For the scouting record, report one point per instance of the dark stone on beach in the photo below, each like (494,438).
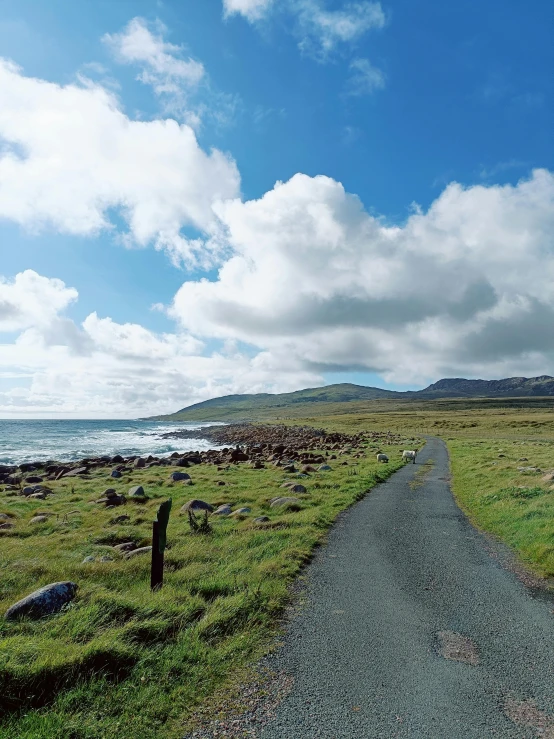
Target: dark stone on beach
(43,602)
(118,459)
(76,472)
(176,476)
(180,463)
(139,462)
(239,456)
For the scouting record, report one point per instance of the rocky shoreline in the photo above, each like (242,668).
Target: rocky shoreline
(256,444)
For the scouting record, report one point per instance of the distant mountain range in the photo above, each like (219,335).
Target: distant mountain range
(260,405)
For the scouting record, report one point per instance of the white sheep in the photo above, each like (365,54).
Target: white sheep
(409,455)
(382,458)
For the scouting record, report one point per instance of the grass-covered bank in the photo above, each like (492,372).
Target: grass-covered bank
(121,661)
(506,488)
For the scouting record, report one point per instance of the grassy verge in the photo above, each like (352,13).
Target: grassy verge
(121,661)
(517,505)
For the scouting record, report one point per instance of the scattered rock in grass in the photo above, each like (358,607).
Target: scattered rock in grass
(289,468)
(33,478)
(39,519)
(137,552)
(529,469)
(106,558)
(223,510)
(115,474)
(324,468)
(139,463)
(221,482)
(43,602)
(4,517)
(88,559)
(38,496)
(258,465)
(240,511)
(307,469)
(112,500)
(549,477)
(127,546)
(137,493)
(284,502)
(294,487)
(177,476)
(76,472)
(196,505)
(261,519)
(6,525)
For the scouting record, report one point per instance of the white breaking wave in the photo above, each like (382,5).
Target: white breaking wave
(67,440)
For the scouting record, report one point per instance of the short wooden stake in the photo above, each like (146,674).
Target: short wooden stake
(157,570)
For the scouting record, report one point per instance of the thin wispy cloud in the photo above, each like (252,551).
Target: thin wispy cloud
(364,78)
(179,81)
(320,31)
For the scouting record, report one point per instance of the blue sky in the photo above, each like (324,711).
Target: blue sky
(427,121)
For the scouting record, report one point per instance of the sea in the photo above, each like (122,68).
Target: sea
(68,440)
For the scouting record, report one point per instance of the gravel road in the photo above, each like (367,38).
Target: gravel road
(410,628)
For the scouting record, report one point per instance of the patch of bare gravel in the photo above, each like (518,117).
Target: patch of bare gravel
(526,713)
(457,647)
(243,714)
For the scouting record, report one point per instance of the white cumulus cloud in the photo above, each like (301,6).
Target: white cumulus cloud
(467,286)
(71,154)
(101,368)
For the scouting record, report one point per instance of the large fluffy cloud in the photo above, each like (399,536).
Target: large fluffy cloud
(106,369)
(70,155)
(467,286)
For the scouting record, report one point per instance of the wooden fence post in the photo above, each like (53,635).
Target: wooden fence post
(159,529)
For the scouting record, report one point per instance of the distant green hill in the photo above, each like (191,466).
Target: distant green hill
(345,397)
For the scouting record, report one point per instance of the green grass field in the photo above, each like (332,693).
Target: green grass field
(121,661)
(124,662)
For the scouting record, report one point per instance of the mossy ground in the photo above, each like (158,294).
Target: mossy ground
(122,661)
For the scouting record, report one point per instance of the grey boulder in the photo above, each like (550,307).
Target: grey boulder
(137,492)
(284,502)
(196,505)
(177,476)
(43,602)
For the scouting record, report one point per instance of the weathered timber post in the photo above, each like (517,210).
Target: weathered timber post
(159,539)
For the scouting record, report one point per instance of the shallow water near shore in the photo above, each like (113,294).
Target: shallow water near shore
(67,440)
